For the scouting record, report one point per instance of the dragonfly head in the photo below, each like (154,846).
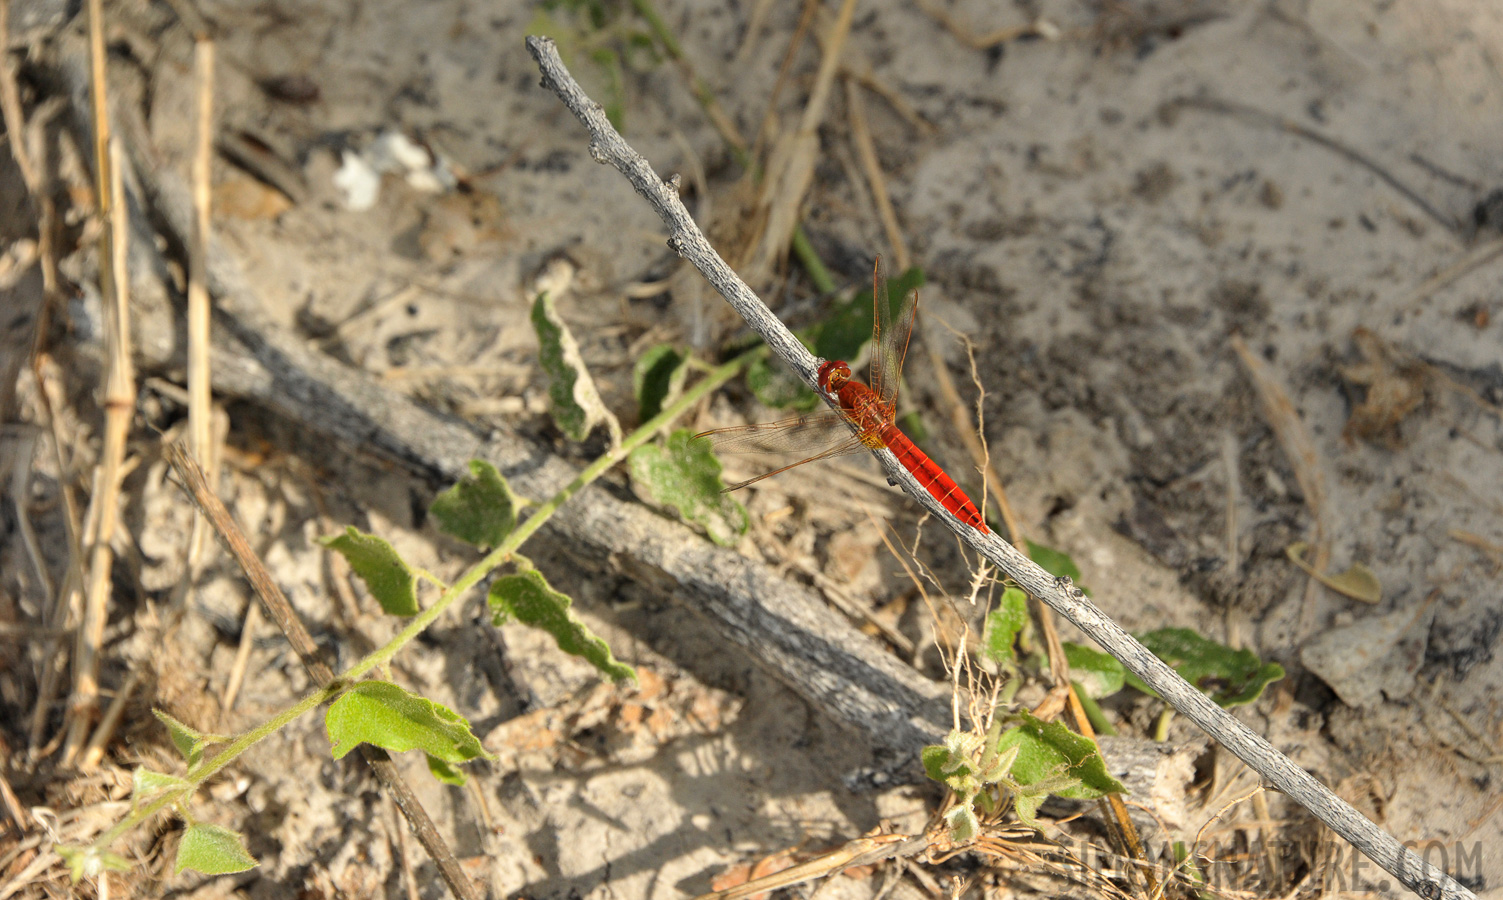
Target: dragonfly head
(833,375)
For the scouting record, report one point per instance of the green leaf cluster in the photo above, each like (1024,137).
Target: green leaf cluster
(1024,764)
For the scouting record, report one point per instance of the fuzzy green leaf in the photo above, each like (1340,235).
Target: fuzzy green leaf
(186,740)
(1098,673)
(684,475)
(479,509)
(527,598)
(383,714)
(657,379)
(1230,677)
(1052,756)
(446,773)
(385,573)
(1003,625)
(212,850)
(963,823)
(190,742)
(575,404)
(144,783)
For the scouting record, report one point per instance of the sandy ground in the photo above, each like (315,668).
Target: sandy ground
(1099,214)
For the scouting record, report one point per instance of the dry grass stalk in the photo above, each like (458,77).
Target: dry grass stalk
(119,406)
(790,170)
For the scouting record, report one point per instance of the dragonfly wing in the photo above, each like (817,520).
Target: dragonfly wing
(890,335)
(812,433)
(851,444)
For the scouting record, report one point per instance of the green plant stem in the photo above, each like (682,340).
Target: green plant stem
(717,377)
(1161,727)
(820,276)
(1093,712)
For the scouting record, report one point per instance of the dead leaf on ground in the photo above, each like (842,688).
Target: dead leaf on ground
(1357,582)
(1395,388)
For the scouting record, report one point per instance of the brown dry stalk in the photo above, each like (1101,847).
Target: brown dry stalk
(790,170)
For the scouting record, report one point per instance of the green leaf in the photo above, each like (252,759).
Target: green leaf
(90,862)
(446,773)
(145,783)
(527,598)
(212,850)
(1056,563)
(575,404)
(962,822)
(188,741)
(657,379)
(1053,757)
(383,714)
(1098,673)
(1026,804)
(773,385)
(386,575)
(1230,677)
(684,475)
(1003,625)
(479,509)
(939,762)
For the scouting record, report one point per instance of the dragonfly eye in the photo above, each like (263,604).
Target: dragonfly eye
(833,374)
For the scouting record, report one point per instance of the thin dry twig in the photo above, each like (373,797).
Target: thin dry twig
(281,612)
(119,410)
(989,39)
(200,412)
(607,146)
(1472,259)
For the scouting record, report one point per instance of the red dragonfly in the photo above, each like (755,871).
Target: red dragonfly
(863,417)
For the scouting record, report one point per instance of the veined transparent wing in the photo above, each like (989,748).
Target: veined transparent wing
(824,433)
(890,334)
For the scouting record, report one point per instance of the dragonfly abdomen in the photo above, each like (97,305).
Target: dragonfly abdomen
(934,480)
